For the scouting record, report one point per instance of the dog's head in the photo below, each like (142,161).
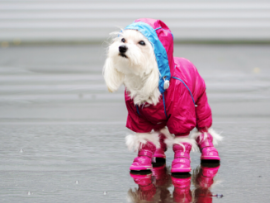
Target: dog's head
(130,53)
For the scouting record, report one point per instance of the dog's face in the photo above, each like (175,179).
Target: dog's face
(129,54)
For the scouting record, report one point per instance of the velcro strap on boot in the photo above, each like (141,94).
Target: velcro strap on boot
(181,155)
(145,153)
(182,160)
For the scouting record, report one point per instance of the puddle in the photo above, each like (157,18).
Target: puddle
(64,142)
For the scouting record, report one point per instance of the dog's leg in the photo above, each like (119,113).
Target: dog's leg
(164,138)
(146,145)
(206,141)
(182,145)
(206,137)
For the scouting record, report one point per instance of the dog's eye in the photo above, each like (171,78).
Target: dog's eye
(123,40)
(142,43)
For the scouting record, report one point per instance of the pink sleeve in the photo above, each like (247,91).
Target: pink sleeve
(203,113)
(135,122)
(182,117)
(203,110)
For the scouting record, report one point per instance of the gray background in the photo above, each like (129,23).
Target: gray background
(89,21)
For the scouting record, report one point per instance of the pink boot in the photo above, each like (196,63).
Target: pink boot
(160,152)
(205,143)
(206,138)
(145,144)
(181,162)
(182,191)
(144,159)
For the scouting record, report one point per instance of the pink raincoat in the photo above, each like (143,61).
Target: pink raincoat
(183,105)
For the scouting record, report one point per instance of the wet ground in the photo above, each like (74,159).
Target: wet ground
(62,134)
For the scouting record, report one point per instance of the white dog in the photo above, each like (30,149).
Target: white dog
(164,96)
(131,61)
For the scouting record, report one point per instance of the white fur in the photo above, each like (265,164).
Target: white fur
(138,72)
(116,78)
(167,134)
(180,140)
(133,141)
(216,137)
(169,137)
(170,140)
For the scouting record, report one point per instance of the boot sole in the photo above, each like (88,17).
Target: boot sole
(210,158)
(140,168)
(183,170)
(159,156)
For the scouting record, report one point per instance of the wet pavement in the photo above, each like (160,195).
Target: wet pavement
(62,134)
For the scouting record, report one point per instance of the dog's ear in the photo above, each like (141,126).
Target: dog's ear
(113,77)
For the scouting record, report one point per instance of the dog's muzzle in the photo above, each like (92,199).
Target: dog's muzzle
(123,49)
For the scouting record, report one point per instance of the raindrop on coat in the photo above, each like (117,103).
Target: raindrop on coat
(77,182)
(21,151)
(29,193)
(105,193)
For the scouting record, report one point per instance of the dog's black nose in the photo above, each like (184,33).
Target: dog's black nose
(122,49)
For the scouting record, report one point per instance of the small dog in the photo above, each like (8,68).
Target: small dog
(165,96)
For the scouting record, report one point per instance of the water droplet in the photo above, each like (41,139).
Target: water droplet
(21,151)
(29,193)
(218,195)
(77,182)
(105,193)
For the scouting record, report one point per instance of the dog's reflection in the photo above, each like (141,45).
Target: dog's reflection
(153,186)
(182,192)
(203,180)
